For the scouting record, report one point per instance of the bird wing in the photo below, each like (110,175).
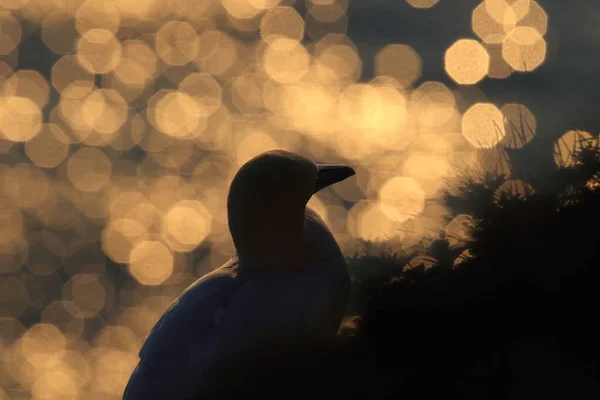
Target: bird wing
(185,332)
(280,309)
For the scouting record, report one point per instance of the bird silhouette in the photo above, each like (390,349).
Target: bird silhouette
(286,287)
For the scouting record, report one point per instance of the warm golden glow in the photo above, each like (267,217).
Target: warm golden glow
(187,223)
(286,61)
(122,123)
(99,51)
(567,146)
(89,169)
(43,345)
(10,33)
(138,64)
(49,147)
(422,3)
(524,49)
(400,62)
(177,43)
(151,263)
(67,70)
(20,118)
(520,124)
(401,198)
(252,145)
(492,27)
(433,104)
(483,125)
(29,84)
(282,22)
(467,61)
(97,14)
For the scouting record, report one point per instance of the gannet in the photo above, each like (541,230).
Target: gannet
(287,284)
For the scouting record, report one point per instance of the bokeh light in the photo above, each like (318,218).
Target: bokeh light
(400,62)
(524,49)
(422,3)
(483,125)
(467,61)
(151,262)
(520,125)
(567,146)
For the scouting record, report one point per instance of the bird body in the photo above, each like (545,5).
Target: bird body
(251,308)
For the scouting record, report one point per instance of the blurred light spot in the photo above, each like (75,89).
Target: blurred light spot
(254,144)
(483,125)
(379,111)
(400,62)
(113,369)
(490,29)
(338,63)
(151,263)
(66,316)
(10,33)
(524,49)
(98,14)
(503,10)
(568,146)
(188,223)
(177,43)
(11,223)
(467,61)
(217,52)
(105,111)
(282,22)
(520,125)
(29,84)
(87,293)
(14,296)
(434,104)
(43,345)
(98,51)
(327,11)
(26,185)
(59,33)
(402,198)
(247,92)
(323,20)
(285,61)
(120,236)
(138,64)
(89,169)
(20,118)
(535,18)
(71,104)
(176,113)
(205,90)
(422,3)
(68,70)
(56,383)
(428,169)
(242,9)
(375,224)
(119,337)
(310,108)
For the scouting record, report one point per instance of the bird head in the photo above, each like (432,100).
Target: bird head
(267,202)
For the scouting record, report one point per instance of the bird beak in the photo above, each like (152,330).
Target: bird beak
(329,174)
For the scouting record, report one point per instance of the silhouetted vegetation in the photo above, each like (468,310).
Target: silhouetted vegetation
(508,313)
